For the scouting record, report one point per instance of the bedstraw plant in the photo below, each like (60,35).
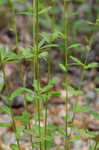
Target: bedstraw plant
(41,48)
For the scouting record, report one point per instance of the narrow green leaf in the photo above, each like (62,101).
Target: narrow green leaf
(14,147)
(20,128)
(56,34)
(29,97)
(25,13)
(6,124)
(44,10)
(62,67)
(38,139)
(45,36)
(81,131)
(95,114)
(2,53)
(43,55)
(18,136)
(88,48)
(47,138)
(75,92)
(41,43)
(74,45)
(1,86)
(24,118)
(10,57)
(89,22)
(90,134)
(77,60)
(50,85)
(84,108)
(57,93)
(6,109)
(48,46)
(77,108)
(96,89)
(28,91)
(16,93)
(30,13)
(92,65)
(30,132)
(76,138)
(35,85)
(27,53)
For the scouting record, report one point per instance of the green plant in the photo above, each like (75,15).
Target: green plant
(66,73)
(41,137)
(10,111)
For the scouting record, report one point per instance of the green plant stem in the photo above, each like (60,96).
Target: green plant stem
(95,148)
(49,66)
(37,66)
(34,38)
(34,51)
(52,31)
(53,16)
(16,35)
(37,40)
(66,75)
(46,108)
(11,4)
(11,111)
(20,66)
(26,105)
(26,4)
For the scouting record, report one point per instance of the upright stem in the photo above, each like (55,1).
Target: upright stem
(11,111)
(26,105)
(66,75)
(46,107)
(49,66)
(20,65)
(11,4)
(26,4)
(34,38)
(52,31)
(95,145)
(37,66)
